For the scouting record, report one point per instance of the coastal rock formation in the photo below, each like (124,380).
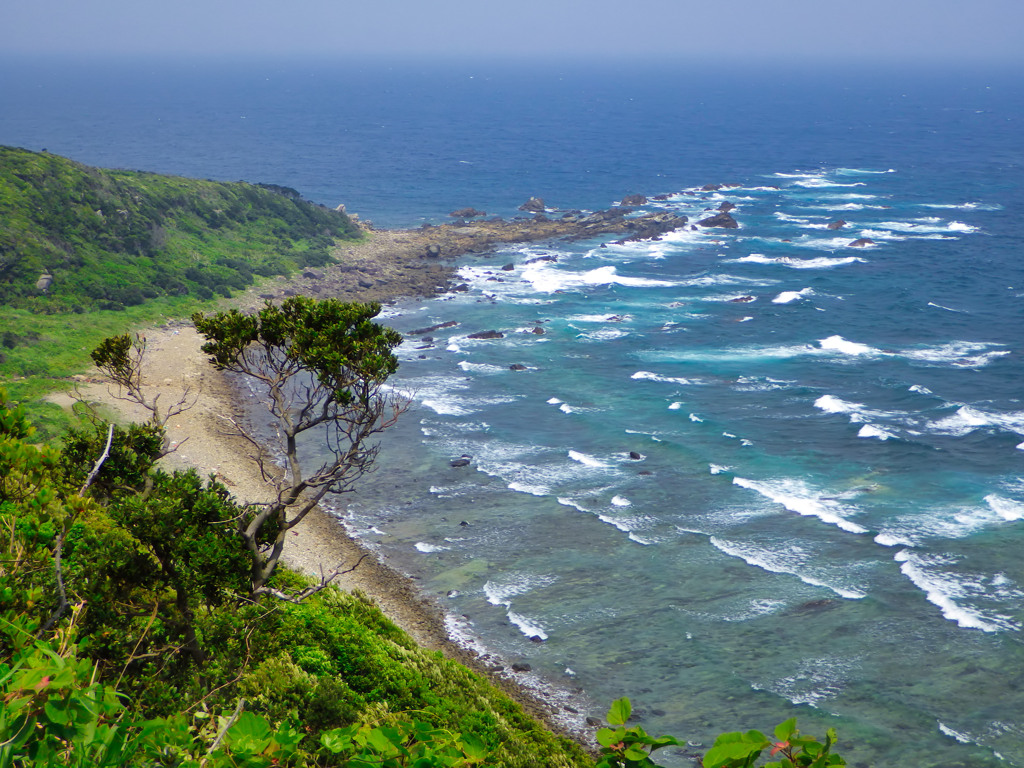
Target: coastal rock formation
(486,335)
(837,224)
(533,205)
(634,200)
(726,207)
(467,213)
(723,220)
(861,242)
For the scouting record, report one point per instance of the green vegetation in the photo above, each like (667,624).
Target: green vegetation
(114,239)
(128,249)
(128,629)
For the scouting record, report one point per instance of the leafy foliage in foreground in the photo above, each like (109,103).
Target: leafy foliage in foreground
(176,665)
(112,239)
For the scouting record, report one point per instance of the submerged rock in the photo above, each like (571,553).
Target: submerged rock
(487,335)
(837,224)
(861,242)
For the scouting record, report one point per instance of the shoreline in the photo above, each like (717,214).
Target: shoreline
(388,265)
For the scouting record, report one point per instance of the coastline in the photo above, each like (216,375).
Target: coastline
(386,266)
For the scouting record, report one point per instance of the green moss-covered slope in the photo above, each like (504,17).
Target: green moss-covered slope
(111,239)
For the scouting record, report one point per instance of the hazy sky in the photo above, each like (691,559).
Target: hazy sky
(905,30)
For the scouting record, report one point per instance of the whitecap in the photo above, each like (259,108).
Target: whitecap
(945,730)
(649,376)
(695,418)
(968,418)
(717,469)
(839,344)
(1008,509)
(480,367)
(588,460)
(621,501)
(869,430)
(546,278)
(822,262)
(796,496)
(675,406)
(500,591)
(943,589)
(426,548)
(529,627)
(789,559)
(787,297)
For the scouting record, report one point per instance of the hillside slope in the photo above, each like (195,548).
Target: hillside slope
(110,239)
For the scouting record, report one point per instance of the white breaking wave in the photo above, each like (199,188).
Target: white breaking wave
(648,376)
(797,496)
(788,297)
(839,344)
(794,263)
(588,460)
(944,589)
(788,559)
(969,418)
(545,278)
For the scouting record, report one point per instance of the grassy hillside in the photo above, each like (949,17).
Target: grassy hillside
(113,239)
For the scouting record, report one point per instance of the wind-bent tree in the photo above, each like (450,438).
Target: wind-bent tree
(320,367)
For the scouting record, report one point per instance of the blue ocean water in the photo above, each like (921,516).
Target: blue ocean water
(827,512)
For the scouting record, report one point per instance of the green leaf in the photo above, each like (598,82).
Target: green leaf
(619,712)
(635,753)
(784,731)
(606,736)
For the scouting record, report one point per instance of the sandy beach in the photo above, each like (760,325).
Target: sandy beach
(383,267)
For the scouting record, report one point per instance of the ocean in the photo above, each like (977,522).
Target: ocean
(741,475)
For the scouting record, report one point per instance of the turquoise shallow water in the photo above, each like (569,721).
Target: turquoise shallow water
(825,518)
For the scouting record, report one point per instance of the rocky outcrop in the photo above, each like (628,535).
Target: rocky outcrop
(467,213)
(726,207)
(861,242)
(837,224)
(634,200)
(486,335)
(533,205)
(723,220)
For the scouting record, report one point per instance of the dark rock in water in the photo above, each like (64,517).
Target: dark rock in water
(645,472)
(462,461)
(723,220)
(726,207)
(537,330)
(818,605)
(464,524)
(534,205)
(433,251)
(634,200)
(431,329)
(635,456)
(521,666)
(593,722)
(508,267)
(517,367)
(711,188)
(861,242)
(837,224)
(467,213)
(461,288)
(487,335)
(743,299)
(662,198)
